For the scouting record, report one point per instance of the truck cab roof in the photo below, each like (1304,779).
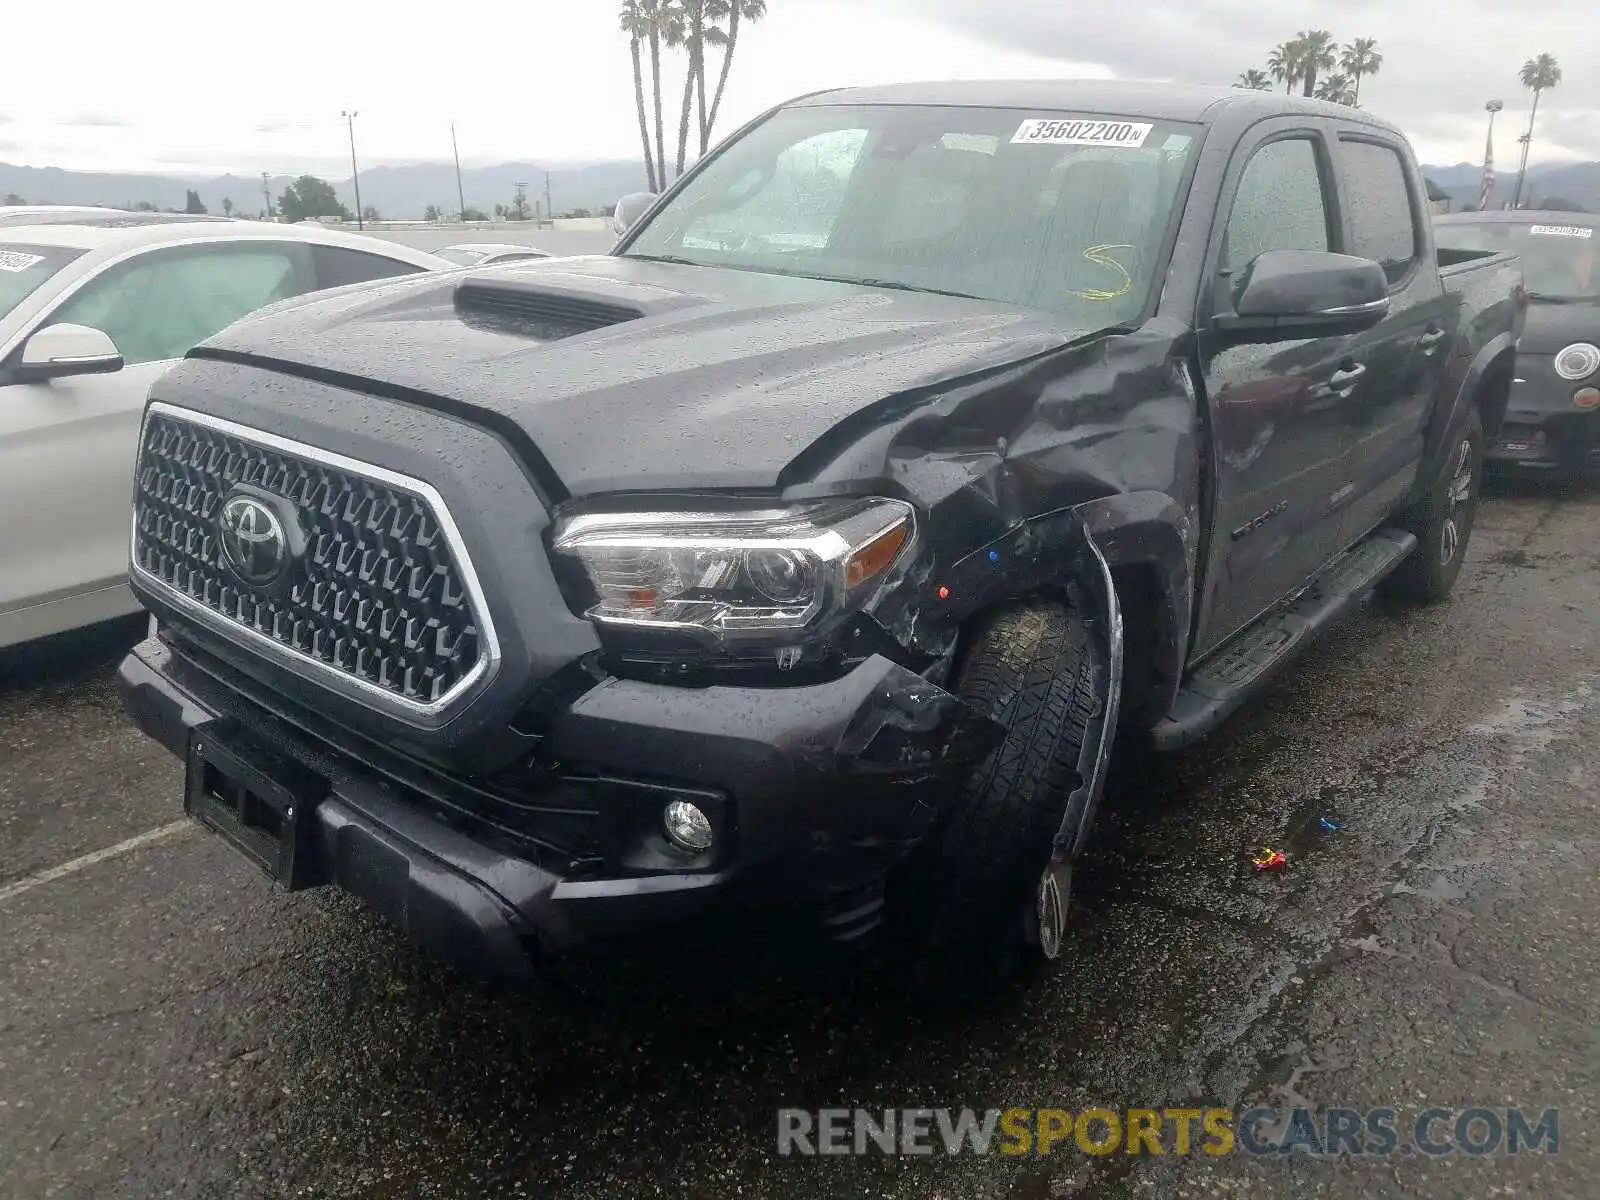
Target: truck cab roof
(1160,101)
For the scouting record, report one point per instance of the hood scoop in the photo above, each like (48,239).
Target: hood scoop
(522,309)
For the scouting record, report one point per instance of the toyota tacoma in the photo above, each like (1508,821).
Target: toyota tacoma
(795,565)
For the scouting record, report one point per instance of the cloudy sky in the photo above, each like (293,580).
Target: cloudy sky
(99,84)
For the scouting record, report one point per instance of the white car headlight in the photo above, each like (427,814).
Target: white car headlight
(727,577)
(1578,361)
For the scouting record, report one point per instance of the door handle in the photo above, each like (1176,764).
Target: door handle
(1344,380)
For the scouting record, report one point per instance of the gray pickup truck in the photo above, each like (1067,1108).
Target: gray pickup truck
(794,566)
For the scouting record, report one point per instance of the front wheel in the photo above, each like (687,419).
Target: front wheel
(1444,524)
(981,896)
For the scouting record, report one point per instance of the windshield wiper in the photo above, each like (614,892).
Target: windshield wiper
(892,284)
(665,258)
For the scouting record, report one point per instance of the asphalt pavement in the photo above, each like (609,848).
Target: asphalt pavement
(169,1026)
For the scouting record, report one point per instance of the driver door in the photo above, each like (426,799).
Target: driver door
(67,445)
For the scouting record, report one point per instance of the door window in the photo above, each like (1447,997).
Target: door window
(338,266)
(1280,204)
(1382,224)
(161,305)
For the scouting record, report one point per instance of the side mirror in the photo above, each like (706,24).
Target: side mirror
(57,351)
(1288,294)
(629,209)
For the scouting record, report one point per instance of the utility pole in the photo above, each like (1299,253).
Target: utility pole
(355,175)
(461,194)
(266,193)
(548,211)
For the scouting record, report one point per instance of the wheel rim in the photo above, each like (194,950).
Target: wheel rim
(1460,504)
(1050,908)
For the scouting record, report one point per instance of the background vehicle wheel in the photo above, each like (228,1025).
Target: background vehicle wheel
(1444,524)
(979,897)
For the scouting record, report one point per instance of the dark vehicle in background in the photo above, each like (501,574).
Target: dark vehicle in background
(793,566)
(1553,421)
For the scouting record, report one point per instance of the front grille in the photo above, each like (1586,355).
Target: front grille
(378,596)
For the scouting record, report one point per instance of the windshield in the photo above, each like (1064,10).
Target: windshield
(23,268)
(1057,211)
(1559,262)
(465,258)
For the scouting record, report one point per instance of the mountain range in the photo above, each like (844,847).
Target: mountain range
(398,191)
(404,191)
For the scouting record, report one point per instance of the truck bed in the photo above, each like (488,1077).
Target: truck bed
(1454,263)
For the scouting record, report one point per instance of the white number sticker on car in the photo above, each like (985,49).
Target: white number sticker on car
(16,261)
(1043,131)
(1577,231)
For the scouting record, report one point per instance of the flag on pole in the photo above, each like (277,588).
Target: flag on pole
(1488,172)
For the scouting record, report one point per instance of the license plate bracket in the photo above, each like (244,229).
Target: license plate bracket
(259,801)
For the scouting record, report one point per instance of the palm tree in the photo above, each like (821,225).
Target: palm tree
(711,35)
(1537,75)
(1286,64)
(686,32)
(738,10)
(1337,89)
(1317,54)
(636,24)
(1359,59)
(1254,80)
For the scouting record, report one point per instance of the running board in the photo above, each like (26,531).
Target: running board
(1226,678)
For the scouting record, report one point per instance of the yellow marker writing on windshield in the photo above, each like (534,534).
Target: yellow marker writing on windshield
(1101,257)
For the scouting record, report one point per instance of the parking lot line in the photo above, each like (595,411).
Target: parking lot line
(148,838)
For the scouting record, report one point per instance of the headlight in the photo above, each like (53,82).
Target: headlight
(1578,361)
(728,577)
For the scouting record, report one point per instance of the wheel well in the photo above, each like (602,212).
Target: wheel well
(1139,597)
(1493,392)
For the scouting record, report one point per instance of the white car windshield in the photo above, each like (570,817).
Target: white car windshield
(1060,211)
(23,268)
(1560,255)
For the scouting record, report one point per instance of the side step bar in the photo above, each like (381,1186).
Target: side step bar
(1226,678)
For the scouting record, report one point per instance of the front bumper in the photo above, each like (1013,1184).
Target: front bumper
(1543,429)
(826,788)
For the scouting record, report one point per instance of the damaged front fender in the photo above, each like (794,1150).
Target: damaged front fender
(1054,554)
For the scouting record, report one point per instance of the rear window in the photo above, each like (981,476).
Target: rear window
(23,268)
(1381,224)
(1560,258)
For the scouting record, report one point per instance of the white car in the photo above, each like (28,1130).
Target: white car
(91,313)
(482,254)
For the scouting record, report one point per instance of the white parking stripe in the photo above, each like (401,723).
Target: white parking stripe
(148,838)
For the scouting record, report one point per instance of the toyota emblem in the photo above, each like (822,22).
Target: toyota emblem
(254,541)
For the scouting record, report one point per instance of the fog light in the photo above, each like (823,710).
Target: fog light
(687,827)
(1587,398)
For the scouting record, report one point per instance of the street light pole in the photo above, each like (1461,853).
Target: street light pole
(461,195)
(355,175)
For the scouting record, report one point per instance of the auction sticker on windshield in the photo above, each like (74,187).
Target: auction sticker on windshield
(1042,131)
(1577,231)
(16,261)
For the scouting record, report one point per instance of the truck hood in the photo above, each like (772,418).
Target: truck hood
(633,375)
(1551,328)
